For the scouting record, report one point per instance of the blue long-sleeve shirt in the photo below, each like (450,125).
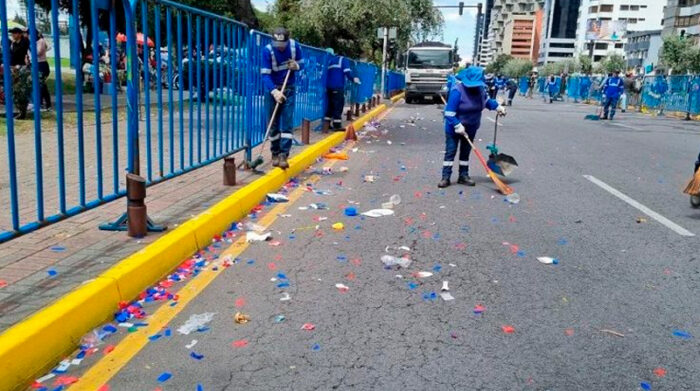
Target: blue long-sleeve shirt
(614,87)
(464,105)
(274,64)
(338,71)
(501,82)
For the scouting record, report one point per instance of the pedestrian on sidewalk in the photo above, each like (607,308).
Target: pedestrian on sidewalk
(338,70)
(613,89)
(465,102)
(500,84)
(41,48)
(21,82)
(279,57)
(532,83)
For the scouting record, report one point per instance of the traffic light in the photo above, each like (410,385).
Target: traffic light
(461,8)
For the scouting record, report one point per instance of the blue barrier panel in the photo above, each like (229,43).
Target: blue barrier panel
(311,85)
(523,85)
(394,83)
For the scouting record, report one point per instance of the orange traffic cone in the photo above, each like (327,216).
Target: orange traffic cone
(350,133)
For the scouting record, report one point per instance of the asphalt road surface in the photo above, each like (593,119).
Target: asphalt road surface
(619,312)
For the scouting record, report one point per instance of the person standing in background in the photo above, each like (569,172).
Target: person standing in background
(21,82)
(41,48)
(338,71)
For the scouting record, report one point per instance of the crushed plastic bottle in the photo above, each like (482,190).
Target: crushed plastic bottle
(196,322)
(389,260)
(513,198)
(548,260)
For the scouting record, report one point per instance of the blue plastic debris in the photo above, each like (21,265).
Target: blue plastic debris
(316,347)
(412,285)
(52,272)
(281,276)
(110,329)
(164,377)
(250,261)
(682,334)
(645,385)
(350,211)
(154,337)
(200,387)
(430,296)
(284,284)
(168,332)
(562,241)
(437,268)
(58,249)
(196,356)
(280,318)
(521,254)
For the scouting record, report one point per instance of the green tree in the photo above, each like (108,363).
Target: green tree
(350,26)
(497,65)
(614,62)
(19,19)
(674,53)
(585,64)
(691,58)
(517,67)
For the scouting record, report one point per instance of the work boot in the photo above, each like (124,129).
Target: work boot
(444,183)
(283,163)
(604,117)
(465,180)
(275,160)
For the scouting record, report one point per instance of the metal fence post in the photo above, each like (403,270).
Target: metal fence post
(249,99)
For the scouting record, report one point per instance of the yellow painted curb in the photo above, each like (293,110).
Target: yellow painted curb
(33,346)
(397,97)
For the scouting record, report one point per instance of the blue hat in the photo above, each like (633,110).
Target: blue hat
(472,76)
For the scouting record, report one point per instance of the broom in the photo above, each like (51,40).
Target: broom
(596,116)
(259,160)
(693,187)
(502,187)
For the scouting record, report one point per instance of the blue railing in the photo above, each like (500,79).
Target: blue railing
(395,82)
(172,90)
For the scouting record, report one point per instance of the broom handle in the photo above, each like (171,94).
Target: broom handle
(478,154)
(495,129)
(277,105)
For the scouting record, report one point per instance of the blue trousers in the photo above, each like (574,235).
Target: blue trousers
(610,101)
(452,142)
(334,110)
(282,124)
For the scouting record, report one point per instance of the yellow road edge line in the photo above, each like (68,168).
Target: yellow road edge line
(33,346)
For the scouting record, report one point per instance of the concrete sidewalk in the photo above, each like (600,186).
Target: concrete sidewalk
(39,267)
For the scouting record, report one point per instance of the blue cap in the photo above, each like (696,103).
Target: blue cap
(472,76)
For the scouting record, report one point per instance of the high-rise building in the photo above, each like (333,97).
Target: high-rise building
(637,15)
(682,17)
(483,41)
(558,38)
(500,12)
(519,36)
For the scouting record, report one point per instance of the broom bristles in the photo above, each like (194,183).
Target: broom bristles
(502,187)
(693,187)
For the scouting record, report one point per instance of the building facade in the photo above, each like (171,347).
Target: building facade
(642,50)
(558,40)
(519,37)
(638,15)
(500,12)
(682,17)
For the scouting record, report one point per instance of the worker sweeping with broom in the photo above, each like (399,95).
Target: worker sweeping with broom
(280,59)
(465,102)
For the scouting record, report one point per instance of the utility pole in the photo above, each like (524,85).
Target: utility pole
(386,41)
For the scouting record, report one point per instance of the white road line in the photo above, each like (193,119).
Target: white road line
(661,219)
(623,125)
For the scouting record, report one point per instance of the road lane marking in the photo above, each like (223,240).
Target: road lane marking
(126,349)
(623,125)
(661,219)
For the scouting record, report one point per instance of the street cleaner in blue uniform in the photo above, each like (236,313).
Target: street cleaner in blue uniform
(279,57)
(338,71)
(613,88)
(466,100)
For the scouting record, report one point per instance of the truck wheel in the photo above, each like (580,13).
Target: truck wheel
(409,100)
(695,201)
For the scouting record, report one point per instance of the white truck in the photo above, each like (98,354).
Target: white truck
(427,66)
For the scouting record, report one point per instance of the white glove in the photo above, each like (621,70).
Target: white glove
(278,95)
(459,129)
(357,81)
(293,65)
(501,110)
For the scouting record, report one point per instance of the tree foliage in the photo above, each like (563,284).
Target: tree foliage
(585,64)
(497,65)
(517,67)
(680,55)
(350,26)
(613,62)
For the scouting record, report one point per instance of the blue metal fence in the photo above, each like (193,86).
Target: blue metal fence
(173,89)
(395,81)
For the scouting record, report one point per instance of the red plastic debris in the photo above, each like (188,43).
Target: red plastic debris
(356,261)
(569,332)
(508,329)
(308,326)
(659,372)
(3,283)
(65,381)
(104,387)
(108,349)
(240,343)
(478,309)
(240,302)
(271,266)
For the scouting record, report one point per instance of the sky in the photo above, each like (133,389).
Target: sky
(456,26)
